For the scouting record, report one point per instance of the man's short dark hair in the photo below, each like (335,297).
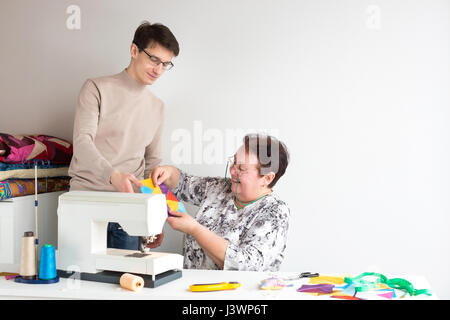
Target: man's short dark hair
(146,34)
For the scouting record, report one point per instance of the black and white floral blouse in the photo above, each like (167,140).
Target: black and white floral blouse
(256,234)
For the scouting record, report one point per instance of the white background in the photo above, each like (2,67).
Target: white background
(358,90)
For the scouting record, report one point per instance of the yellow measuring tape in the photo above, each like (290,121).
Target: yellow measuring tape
(214,286)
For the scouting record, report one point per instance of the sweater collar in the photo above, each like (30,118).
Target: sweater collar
(131,83)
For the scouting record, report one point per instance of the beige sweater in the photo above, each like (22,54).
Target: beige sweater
(118,125)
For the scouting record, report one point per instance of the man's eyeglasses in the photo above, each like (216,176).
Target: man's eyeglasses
(156,61)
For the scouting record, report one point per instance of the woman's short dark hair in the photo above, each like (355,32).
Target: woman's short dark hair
(272,154)
(148,33)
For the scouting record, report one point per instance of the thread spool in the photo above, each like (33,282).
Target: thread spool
(131,282)
(28,257)
(47,264)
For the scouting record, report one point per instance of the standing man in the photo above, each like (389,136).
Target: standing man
(118,124)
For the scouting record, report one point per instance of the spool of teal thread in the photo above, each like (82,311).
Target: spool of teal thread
(47,264)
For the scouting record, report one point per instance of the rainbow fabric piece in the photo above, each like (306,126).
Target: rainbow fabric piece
(171,200)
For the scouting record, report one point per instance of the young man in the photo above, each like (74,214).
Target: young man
(118,124)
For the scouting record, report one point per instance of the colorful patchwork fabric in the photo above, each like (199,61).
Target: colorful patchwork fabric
(11,188)
(272,283)
(25,148)
(26,171)
(172,201)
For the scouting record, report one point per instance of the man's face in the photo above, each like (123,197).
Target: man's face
(147,70)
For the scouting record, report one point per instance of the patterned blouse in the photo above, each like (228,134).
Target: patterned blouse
(256,234)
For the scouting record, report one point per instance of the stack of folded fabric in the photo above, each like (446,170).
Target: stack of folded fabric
(20,155)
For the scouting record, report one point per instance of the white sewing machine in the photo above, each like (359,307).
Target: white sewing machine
(83,218)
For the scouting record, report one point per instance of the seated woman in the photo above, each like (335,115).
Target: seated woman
(241,224)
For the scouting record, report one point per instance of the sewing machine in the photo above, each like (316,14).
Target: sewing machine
(83,218)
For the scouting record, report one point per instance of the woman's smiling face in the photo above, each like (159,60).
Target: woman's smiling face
(246,169)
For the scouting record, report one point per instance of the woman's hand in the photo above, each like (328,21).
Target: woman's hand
(213,245)
(183,222)
(167,174)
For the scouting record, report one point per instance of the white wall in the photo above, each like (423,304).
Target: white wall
(358,90)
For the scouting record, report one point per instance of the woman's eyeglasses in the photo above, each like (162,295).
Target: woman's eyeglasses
(232,164)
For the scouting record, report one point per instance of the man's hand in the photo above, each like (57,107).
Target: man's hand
(157,242)
(123,182)
(167,174)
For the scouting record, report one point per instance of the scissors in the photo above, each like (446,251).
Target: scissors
(302,275)
(308,275)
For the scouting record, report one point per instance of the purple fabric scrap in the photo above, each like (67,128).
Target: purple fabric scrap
(164,188)
(316,288)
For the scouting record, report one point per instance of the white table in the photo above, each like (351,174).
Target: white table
(178,289)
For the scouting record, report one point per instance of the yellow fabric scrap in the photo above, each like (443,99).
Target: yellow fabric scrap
(382,286)
(326,280)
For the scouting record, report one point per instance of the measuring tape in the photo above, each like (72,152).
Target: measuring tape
(362,285)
